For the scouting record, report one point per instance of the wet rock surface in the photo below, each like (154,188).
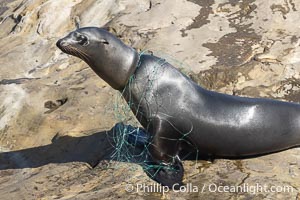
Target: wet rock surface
(56,115)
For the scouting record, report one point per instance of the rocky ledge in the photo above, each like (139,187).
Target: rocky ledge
(56,114)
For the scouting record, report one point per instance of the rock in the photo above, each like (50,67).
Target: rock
(56,115)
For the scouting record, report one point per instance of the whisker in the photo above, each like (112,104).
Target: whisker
(83,53)
(80,53)
(76,52)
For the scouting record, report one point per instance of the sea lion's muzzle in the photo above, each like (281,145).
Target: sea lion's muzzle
(61,43)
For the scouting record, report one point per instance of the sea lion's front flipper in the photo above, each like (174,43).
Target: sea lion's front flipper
(170,175)
(164,165)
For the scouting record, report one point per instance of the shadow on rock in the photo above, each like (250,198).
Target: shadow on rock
(90,149)
(122,143)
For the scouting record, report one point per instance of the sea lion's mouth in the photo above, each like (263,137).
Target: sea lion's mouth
(69,49)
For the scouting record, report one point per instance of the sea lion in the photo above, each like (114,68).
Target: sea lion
(179,114)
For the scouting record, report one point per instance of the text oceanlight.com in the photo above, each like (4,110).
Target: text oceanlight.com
(214,188)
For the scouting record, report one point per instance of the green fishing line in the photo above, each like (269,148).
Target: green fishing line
(127,138)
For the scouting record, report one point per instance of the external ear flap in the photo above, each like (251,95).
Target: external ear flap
(104,41)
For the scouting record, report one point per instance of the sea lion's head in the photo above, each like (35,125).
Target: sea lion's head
(108,56)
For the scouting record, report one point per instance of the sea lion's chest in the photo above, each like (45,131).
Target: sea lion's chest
(158,89)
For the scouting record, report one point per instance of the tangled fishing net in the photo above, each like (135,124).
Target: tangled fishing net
(131,142)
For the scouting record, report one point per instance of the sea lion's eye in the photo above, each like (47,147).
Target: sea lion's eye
(83,40)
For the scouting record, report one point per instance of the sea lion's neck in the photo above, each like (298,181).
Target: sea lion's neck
(132,61)
(116,72)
